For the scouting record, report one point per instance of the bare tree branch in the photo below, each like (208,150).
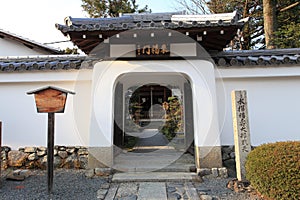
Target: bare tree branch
(195,6)
(289,7)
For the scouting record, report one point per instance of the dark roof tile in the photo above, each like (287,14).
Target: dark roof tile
(261,58)
(13,64)
(258,57)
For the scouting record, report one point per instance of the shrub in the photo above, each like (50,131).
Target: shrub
(274,170)
(173,117)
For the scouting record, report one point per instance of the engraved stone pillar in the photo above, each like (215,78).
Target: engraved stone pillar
(241,131)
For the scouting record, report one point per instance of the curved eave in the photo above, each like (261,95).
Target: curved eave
(212,37)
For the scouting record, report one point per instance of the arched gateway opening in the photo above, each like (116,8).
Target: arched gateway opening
(153,122)
(147,105)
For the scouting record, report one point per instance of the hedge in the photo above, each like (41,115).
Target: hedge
(274,170)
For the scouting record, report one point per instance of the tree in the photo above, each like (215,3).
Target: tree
(288,32)
(195,6)
(247,8)
(270,22)
(286,18)
(112,8)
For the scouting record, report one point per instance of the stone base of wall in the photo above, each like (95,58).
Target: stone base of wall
(36,157)
(228,159)
(77,158)
(207,173)
(208,157)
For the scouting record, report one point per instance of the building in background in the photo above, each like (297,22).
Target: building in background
(15,45)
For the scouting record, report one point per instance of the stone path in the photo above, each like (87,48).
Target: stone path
(152,191)
(181,190)
(150,139)
(151,153)
(148,191)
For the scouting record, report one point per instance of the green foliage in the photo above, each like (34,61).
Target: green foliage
(274,170)
(253,30)
(288,20)
(103,8)
(288,36)
(288,33)
(173,118)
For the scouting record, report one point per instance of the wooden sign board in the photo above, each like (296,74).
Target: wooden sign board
(50,100)
(153,50)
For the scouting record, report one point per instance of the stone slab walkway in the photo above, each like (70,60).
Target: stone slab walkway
(150,139)
(152,152)
(148,191)
(181,190)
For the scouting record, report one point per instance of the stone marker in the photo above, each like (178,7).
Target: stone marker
(241,131)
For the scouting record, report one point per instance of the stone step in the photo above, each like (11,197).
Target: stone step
(155,177)
(178,168)
(156,168)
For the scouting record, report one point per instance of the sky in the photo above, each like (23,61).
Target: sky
(36,19)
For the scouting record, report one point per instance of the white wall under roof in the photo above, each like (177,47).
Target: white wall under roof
(9,47)
(273,97)
(273,100)
(23,126)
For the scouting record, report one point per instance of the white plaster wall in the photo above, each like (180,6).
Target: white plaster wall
(23,126)
(273,95)
(10,47)
(273,98)
(200,73)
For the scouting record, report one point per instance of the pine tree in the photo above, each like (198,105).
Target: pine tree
(285,23)
(112,8)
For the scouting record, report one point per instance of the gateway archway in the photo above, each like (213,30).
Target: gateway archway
(146,105)
(150,125)
(111,80)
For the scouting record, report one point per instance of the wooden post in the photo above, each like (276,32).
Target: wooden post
(50,151)
(50,100)
(241,131)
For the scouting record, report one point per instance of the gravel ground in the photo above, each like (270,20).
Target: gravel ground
(73,184)
(217,189)
(68,185)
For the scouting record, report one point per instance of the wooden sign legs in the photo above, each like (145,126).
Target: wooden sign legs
(50,151)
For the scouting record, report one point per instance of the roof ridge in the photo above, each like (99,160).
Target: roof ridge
(57,50)
(41,57)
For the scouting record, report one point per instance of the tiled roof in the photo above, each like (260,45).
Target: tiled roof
(148,21)
(20,64)
(255,58)
(213,32)
(28,42)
